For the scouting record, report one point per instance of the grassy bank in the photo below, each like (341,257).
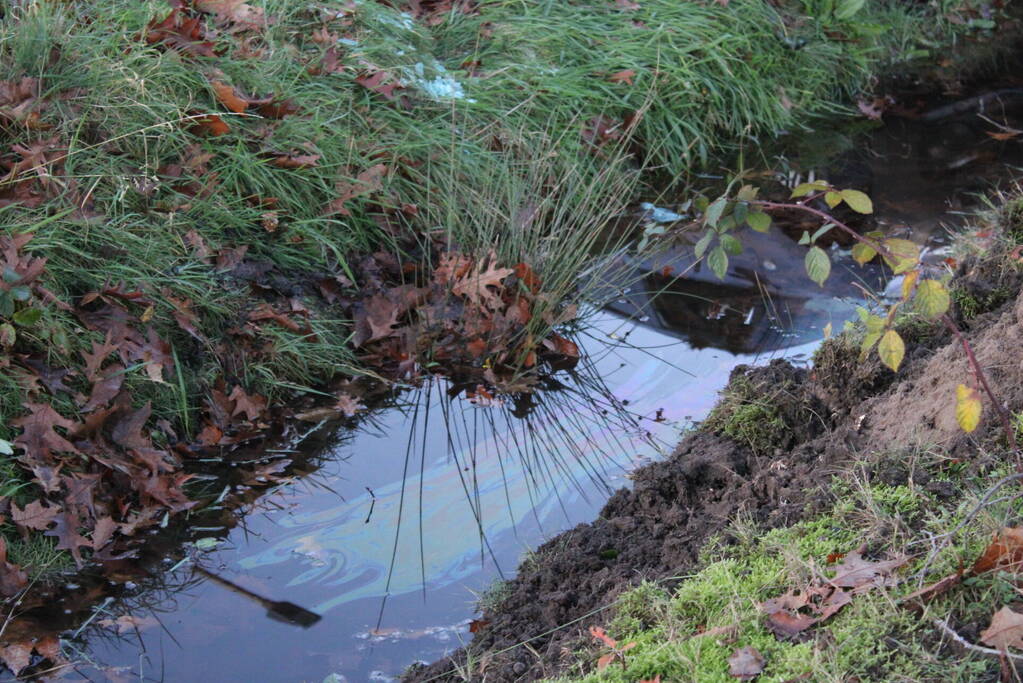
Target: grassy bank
(897,568)
(216,192)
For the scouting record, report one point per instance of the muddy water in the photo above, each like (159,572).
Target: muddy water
(376,559)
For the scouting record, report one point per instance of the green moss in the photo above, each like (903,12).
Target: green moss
(871,639)
(748,416)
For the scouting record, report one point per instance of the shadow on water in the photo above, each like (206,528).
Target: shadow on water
(373,550)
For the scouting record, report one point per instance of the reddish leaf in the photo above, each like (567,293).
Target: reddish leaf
(237,12)
(65,530)
(375,81)
(367,182)
(209,124)
(128,430)
(1005,631)
(1004,552)
(605,661)
(477,625)
(12,578)
(253,406)
(625,76)
(180,33)
(36,515)
(17,656)
(600,634)
(296,160)
(39,438)
(103,532)
(230,97)
(105,388)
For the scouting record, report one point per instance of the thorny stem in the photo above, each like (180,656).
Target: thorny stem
(978,372)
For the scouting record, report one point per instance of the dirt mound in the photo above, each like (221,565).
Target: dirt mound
(657,528)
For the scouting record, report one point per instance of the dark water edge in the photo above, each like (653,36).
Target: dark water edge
(389,533)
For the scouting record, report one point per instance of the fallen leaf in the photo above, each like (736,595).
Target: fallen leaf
(209,124)
(367,182)
(1004,552)
(180,33)
(625,76)
(36,515)
(855,572)
(237,12)
(12,578)
(126,623)
(746,663)
(16,656)
(38,437)
(229,97)
(296,160)
(1005,631)
(252,406)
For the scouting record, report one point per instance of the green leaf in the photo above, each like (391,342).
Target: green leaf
(968,408)
(714,212)
(874,323)
(833,199)
(718,262)
(818,265)
(821,231)
(857,201)
(846,9)
(740,213)
(891,349)
(868,343)
(701,204)
(805,238)
(6,448)
(932,298)
(6,304)
(28,316)
(759,221)
(806,188)
(21,293)
(863,253)
(10,275)
(726,223)
(902,255)
(701,246)
(747,193)
(731,245)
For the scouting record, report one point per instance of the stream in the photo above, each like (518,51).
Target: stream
(375,554)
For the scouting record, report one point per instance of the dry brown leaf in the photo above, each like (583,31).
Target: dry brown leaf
(1005,631)
(746,663)
(855,572)
(1004,552)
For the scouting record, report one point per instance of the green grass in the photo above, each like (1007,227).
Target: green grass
(873,638)
(131,181)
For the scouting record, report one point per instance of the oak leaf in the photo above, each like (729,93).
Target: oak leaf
(746,663)
(1005,631)
(36,515)
(39,438)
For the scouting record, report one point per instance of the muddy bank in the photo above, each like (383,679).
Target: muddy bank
(822,419)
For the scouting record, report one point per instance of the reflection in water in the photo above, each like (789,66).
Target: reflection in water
(278,610)
(409,517)
(395,528)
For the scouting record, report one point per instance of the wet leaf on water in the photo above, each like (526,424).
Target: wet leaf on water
(746,663)
(1005,631)
(127,623)
(968,408)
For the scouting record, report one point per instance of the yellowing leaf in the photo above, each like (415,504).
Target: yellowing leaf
(806,188)
(827,331)
(891,349)
(833,199)
(932,298)
(902,255)
(863,253)
(908,283)
(968,408)
(857,201)
(868,343)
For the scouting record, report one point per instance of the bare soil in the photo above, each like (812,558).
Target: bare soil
(838,410)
